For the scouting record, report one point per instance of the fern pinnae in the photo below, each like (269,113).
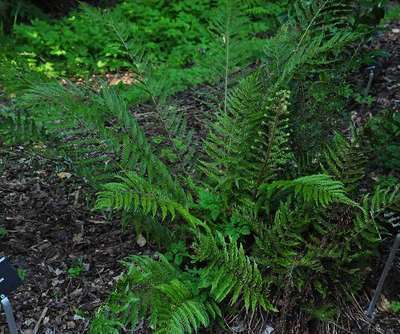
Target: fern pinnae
(231,272)
(319,189)
(276,136)
(346,161)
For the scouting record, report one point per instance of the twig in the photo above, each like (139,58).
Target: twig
(36,329)
(386,269)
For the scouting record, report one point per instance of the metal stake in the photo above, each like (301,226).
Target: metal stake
(12,326)
(386,269)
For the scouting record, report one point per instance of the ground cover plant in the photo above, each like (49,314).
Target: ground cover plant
(273,212)
(178,39)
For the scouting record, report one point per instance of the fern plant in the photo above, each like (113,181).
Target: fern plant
(158,290)
(257,230)
(306,233)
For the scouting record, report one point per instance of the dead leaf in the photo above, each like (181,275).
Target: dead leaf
(77,238)
(58,272)
(64,175)
(384,304)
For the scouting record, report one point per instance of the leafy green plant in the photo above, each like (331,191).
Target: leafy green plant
(296,240)
(174,33)
(261,233)
(18,127)
(395,306)
(393,14)
(3,232)
(76,269)
(22,274)
(158,288)
(176,253)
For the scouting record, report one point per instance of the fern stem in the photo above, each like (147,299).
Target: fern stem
(227,54)
(311,24)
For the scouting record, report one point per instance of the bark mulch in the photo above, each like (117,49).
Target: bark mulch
(51,229)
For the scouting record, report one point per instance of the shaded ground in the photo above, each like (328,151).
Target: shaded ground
(50,230)
(386,84)
(385,89)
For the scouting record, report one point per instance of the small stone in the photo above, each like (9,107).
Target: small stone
(268,330)
(141,241)
(396,31)
(78,317)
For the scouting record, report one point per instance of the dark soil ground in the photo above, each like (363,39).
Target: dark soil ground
(51,229)
(385,86)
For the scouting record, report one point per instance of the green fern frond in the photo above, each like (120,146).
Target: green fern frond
(228,142)
(248,143)
(345,161)
(278,244)
(385,199)
(230,272)
(18,127)
(133,192)
(271,149)
(179,136)
(324,15)
(233,46)
(156,290)
(319,189)
(183,314)
(105,118)
(384,205)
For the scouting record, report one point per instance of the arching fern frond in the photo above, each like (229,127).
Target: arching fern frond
(319,189)
(134,193)
(230,272)
(323,15)
(345,161)
(105,119)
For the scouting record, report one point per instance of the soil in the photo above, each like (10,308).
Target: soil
(385,86)
(51,229)
(385,89)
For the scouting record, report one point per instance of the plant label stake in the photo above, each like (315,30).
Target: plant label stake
(386,269)
(9,281)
